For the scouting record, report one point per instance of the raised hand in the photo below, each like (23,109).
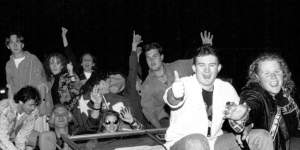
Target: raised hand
(96,94)
(177,86)
(206,38)
(235,112)
(64,30)
(136,40)
(125,115)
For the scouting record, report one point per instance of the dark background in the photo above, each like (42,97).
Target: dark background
(242,29)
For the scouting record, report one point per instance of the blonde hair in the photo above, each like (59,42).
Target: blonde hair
(288,84)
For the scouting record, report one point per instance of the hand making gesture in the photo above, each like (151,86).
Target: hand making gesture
(206,38)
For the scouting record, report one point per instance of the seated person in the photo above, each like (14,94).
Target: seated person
(84,122)
(59,120)
(269,93)
(111,121)
(17,116)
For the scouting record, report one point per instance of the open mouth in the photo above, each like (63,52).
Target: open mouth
(274,83)
(206,76)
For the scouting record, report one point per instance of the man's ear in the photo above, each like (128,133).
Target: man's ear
(219,68)
(194,68)
(162,57)
(22,46)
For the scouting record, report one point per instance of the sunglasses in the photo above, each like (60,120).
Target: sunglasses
(111,122)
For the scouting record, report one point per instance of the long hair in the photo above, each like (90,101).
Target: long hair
(103,118)
(62,60)
(288,84)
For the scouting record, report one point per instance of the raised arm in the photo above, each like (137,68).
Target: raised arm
(133,64)
(68,49)
(207,38)
(64,36)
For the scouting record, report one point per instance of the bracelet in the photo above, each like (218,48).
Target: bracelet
(96,108)
(132,123)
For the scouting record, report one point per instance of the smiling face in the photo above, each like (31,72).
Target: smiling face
(87,62)
(206,68)
(154,59)
(61,117)
(270,76)
(111,124)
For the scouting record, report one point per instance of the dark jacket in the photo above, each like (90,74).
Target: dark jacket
(263,110)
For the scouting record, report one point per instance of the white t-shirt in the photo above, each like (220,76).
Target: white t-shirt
(190,116)
(87,74)
(18,61)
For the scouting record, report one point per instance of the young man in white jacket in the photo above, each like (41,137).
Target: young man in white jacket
(200,103)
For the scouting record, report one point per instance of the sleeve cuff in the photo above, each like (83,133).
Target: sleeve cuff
(165,97)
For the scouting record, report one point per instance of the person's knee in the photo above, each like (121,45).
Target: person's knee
(262,134)
(47,141)
(196,141)
(260,139)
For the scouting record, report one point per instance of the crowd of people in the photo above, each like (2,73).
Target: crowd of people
(64,96)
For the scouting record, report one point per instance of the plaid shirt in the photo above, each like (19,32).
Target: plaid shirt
(239,125)
(14,128)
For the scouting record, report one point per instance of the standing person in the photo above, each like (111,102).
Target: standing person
(269,93)
(17,118)
(23,69)
(159,78)
(87,67)
(198,103)
(63,82)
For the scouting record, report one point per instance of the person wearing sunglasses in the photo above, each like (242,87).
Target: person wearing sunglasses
(113,121)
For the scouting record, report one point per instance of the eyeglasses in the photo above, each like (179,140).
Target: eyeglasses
(111,122)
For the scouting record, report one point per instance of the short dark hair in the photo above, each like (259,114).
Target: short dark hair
(19,36)
(204,51)
(153,45)
(28,93)
(87,88)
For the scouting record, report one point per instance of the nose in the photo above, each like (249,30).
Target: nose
(273,76)
(207,69)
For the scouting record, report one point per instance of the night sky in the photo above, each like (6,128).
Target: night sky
(242,29)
